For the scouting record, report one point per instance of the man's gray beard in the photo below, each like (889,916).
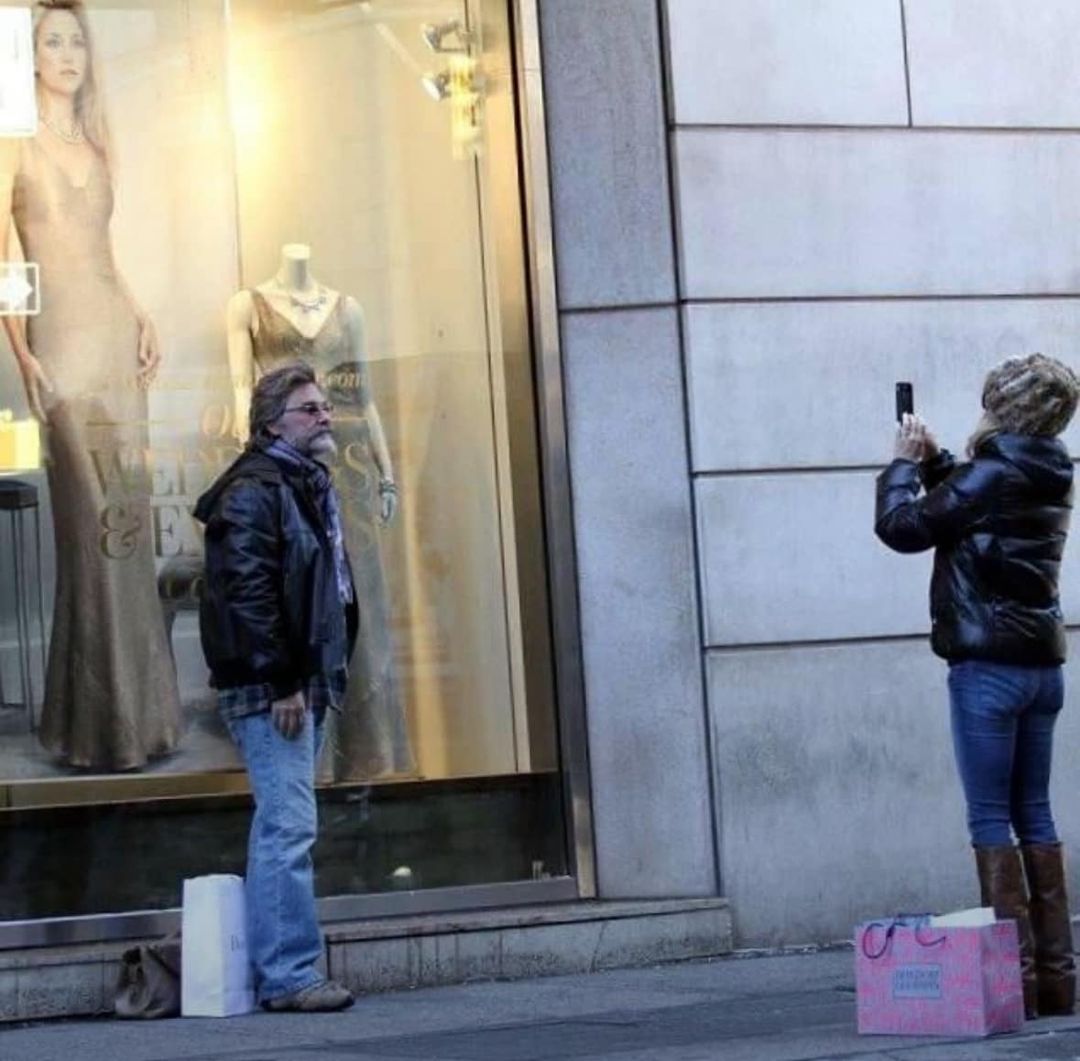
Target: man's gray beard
(323,446)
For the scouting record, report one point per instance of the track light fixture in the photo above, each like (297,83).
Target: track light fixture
(437,86)
(449,36)
(460,86)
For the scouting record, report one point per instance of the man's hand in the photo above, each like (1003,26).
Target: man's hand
(288,715)
(914,441)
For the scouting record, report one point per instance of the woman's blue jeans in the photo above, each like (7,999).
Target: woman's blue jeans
(283,928)
(1003,733)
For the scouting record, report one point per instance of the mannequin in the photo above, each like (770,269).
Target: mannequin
(293,317)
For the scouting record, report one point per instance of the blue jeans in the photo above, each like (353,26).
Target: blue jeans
(1003,733)
(283,929)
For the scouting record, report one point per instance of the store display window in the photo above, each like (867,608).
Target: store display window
(194,192)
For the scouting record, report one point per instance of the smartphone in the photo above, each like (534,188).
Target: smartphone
(905,400)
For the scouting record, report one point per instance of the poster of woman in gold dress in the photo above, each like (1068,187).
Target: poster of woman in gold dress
(87,360)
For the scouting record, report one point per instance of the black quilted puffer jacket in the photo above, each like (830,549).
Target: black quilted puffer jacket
(998,524)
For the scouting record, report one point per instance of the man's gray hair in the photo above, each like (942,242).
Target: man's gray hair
(271,395)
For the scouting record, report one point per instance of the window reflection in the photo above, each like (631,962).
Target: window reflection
(212,189)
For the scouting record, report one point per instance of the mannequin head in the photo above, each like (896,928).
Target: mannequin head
(295,271)
(64,67)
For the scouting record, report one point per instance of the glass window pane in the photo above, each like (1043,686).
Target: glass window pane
(231,186)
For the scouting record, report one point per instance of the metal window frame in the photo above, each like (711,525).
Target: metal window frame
(562,582)
(554,449)
(144,924)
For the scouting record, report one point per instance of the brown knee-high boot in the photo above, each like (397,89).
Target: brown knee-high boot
(1001,881)
(1055,967)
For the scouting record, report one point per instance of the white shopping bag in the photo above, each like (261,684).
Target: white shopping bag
(216,978)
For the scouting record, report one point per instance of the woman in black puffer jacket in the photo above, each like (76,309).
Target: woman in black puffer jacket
(998,524)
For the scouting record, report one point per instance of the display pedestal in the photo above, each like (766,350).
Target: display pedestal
(19,499)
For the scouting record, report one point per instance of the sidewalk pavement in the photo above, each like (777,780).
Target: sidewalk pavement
(775,1008)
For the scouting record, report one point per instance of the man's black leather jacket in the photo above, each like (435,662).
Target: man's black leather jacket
(270,611)
(998,524)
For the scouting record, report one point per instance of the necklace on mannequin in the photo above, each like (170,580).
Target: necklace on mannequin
(75,135)
(305,302)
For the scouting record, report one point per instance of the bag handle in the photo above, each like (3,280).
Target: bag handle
(916,922)
(931,942)
(890,928)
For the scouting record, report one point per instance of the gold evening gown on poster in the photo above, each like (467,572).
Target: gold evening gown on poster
(111,698)
(369,738)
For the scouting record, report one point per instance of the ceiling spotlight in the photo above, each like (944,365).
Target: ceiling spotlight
(448,36)
(437,86)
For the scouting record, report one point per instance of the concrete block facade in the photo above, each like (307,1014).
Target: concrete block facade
(993,63)
(825,370)
(864,191)
(818,266)
(646,720)
(803,213)
(838,789)
(829,61)
(625,402)
(807,537)
(611,207)
(792,558)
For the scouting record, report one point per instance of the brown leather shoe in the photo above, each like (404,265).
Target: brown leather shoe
(1001,881)
(327,996)
(1055,967)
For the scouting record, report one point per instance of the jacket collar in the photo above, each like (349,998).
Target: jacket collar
(256,463)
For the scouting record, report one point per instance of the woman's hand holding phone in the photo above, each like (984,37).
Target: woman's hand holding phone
(914,440)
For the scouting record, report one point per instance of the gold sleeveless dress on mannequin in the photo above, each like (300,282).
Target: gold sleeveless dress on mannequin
(369,738)
(111,697)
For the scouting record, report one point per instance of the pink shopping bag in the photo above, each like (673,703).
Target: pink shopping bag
(913,979)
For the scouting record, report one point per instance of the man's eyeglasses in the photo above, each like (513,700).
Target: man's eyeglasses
(311,408)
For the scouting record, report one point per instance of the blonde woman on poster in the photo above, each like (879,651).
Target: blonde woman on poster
(111,698)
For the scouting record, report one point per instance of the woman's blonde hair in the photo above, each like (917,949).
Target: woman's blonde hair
(986,428)
(89,105)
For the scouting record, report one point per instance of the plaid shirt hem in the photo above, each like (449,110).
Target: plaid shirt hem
(322,693)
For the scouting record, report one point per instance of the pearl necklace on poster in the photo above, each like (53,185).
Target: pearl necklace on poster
(75,136)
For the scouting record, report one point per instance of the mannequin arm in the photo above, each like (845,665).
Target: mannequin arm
(388,491)
(149,348)
(238,320)
(379,447)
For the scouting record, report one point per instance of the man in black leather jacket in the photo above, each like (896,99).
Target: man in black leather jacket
(998,524)
(278,622)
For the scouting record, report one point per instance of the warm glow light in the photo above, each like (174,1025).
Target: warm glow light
(20,443)
(247,106)
(462,85)
(466,106)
